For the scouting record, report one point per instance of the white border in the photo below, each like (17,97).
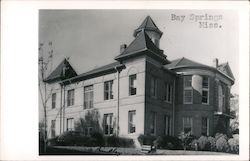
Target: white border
(19,82)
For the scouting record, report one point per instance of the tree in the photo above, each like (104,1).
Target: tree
(234,105)
(45,66)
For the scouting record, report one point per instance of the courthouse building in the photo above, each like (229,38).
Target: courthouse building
(142,92)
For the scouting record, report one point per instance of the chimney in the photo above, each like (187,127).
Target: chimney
(216,62)
(122,48)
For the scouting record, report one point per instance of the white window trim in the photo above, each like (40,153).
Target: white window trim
(184,124)
(206,89)
(110,90)
(155,87)
(132,111)
(187,88)
(167,85)
(72,100)
(111,124)
(129,85)
(89,107)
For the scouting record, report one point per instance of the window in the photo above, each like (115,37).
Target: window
(70,98)
(108,90)
(152,123)
(188,91)
(88,97)
(187,125)
(53,128)
(53,100)
(222,100)
(167,125)
(70,124)
(153,86)
(132,84)
(131,121)
(88,131)
(205,90)
(108,124)
(168,92)
(205,126)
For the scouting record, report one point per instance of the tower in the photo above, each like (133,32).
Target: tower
(149,27)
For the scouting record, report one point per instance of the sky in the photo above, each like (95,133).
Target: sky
(92,38)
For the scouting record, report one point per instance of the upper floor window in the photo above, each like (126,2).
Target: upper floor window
(70,98)
(188,90)
(132,84)
(70,124)
(187,125)
(53,100)
(153,86)
(108,124)
(168,92)
(222,99)
(205,90)
(88,97)
(108,90)
(131,121)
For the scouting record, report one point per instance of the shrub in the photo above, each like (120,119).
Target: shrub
(212,142)
(194,145)
(186,139)
(234,144)
(114,141)
(221,143)
(169,142)
(146,139)
(98,139)
(203,143)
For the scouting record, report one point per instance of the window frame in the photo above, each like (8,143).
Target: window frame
(53,128)
(53,101)
(168,92)
(191,124)
(167,127)
(72,124)
(205,89)
(88,97)
(153,87)
(207,125)
(132,84)
(108,91)
(108,124)
(153,122)
(71,97)
(187,88)
(131,124)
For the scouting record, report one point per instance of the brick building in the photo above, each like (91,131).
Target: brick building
(142,92)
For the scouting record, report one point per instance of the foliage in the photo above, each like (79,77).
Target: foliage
(204,143)
(194,145)
(91,119)
(98,139)
(186,139)
(114,141)
(212,142)
(221,143)
(146,139)
(234,144)
(169,142)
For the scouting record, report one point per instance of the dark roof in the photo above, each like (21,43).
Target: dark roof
(147,24)
(57,74)
(184,62)
(141,43)
(225,68)
(109,68)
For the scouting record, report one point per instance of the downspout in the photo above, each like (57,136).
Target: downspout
(61,111)
(118,100)
(63,107)
(174,107)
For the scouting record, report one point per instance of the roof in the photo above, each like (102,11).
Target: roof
(57,74)
(147,24)
(141,43)
(225,68)
(184,62)
(109,68)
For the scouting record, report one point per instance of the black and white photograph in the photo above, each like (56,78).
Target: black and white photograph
(124,80)
(138,82)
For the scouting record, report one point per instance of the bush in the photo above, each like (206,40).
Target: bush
(169,142)
(114,141)
(146,139)
(194,145)
(204,144)
(98,139)
(221,143)
(212,142)
(186,139)
(234,144)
